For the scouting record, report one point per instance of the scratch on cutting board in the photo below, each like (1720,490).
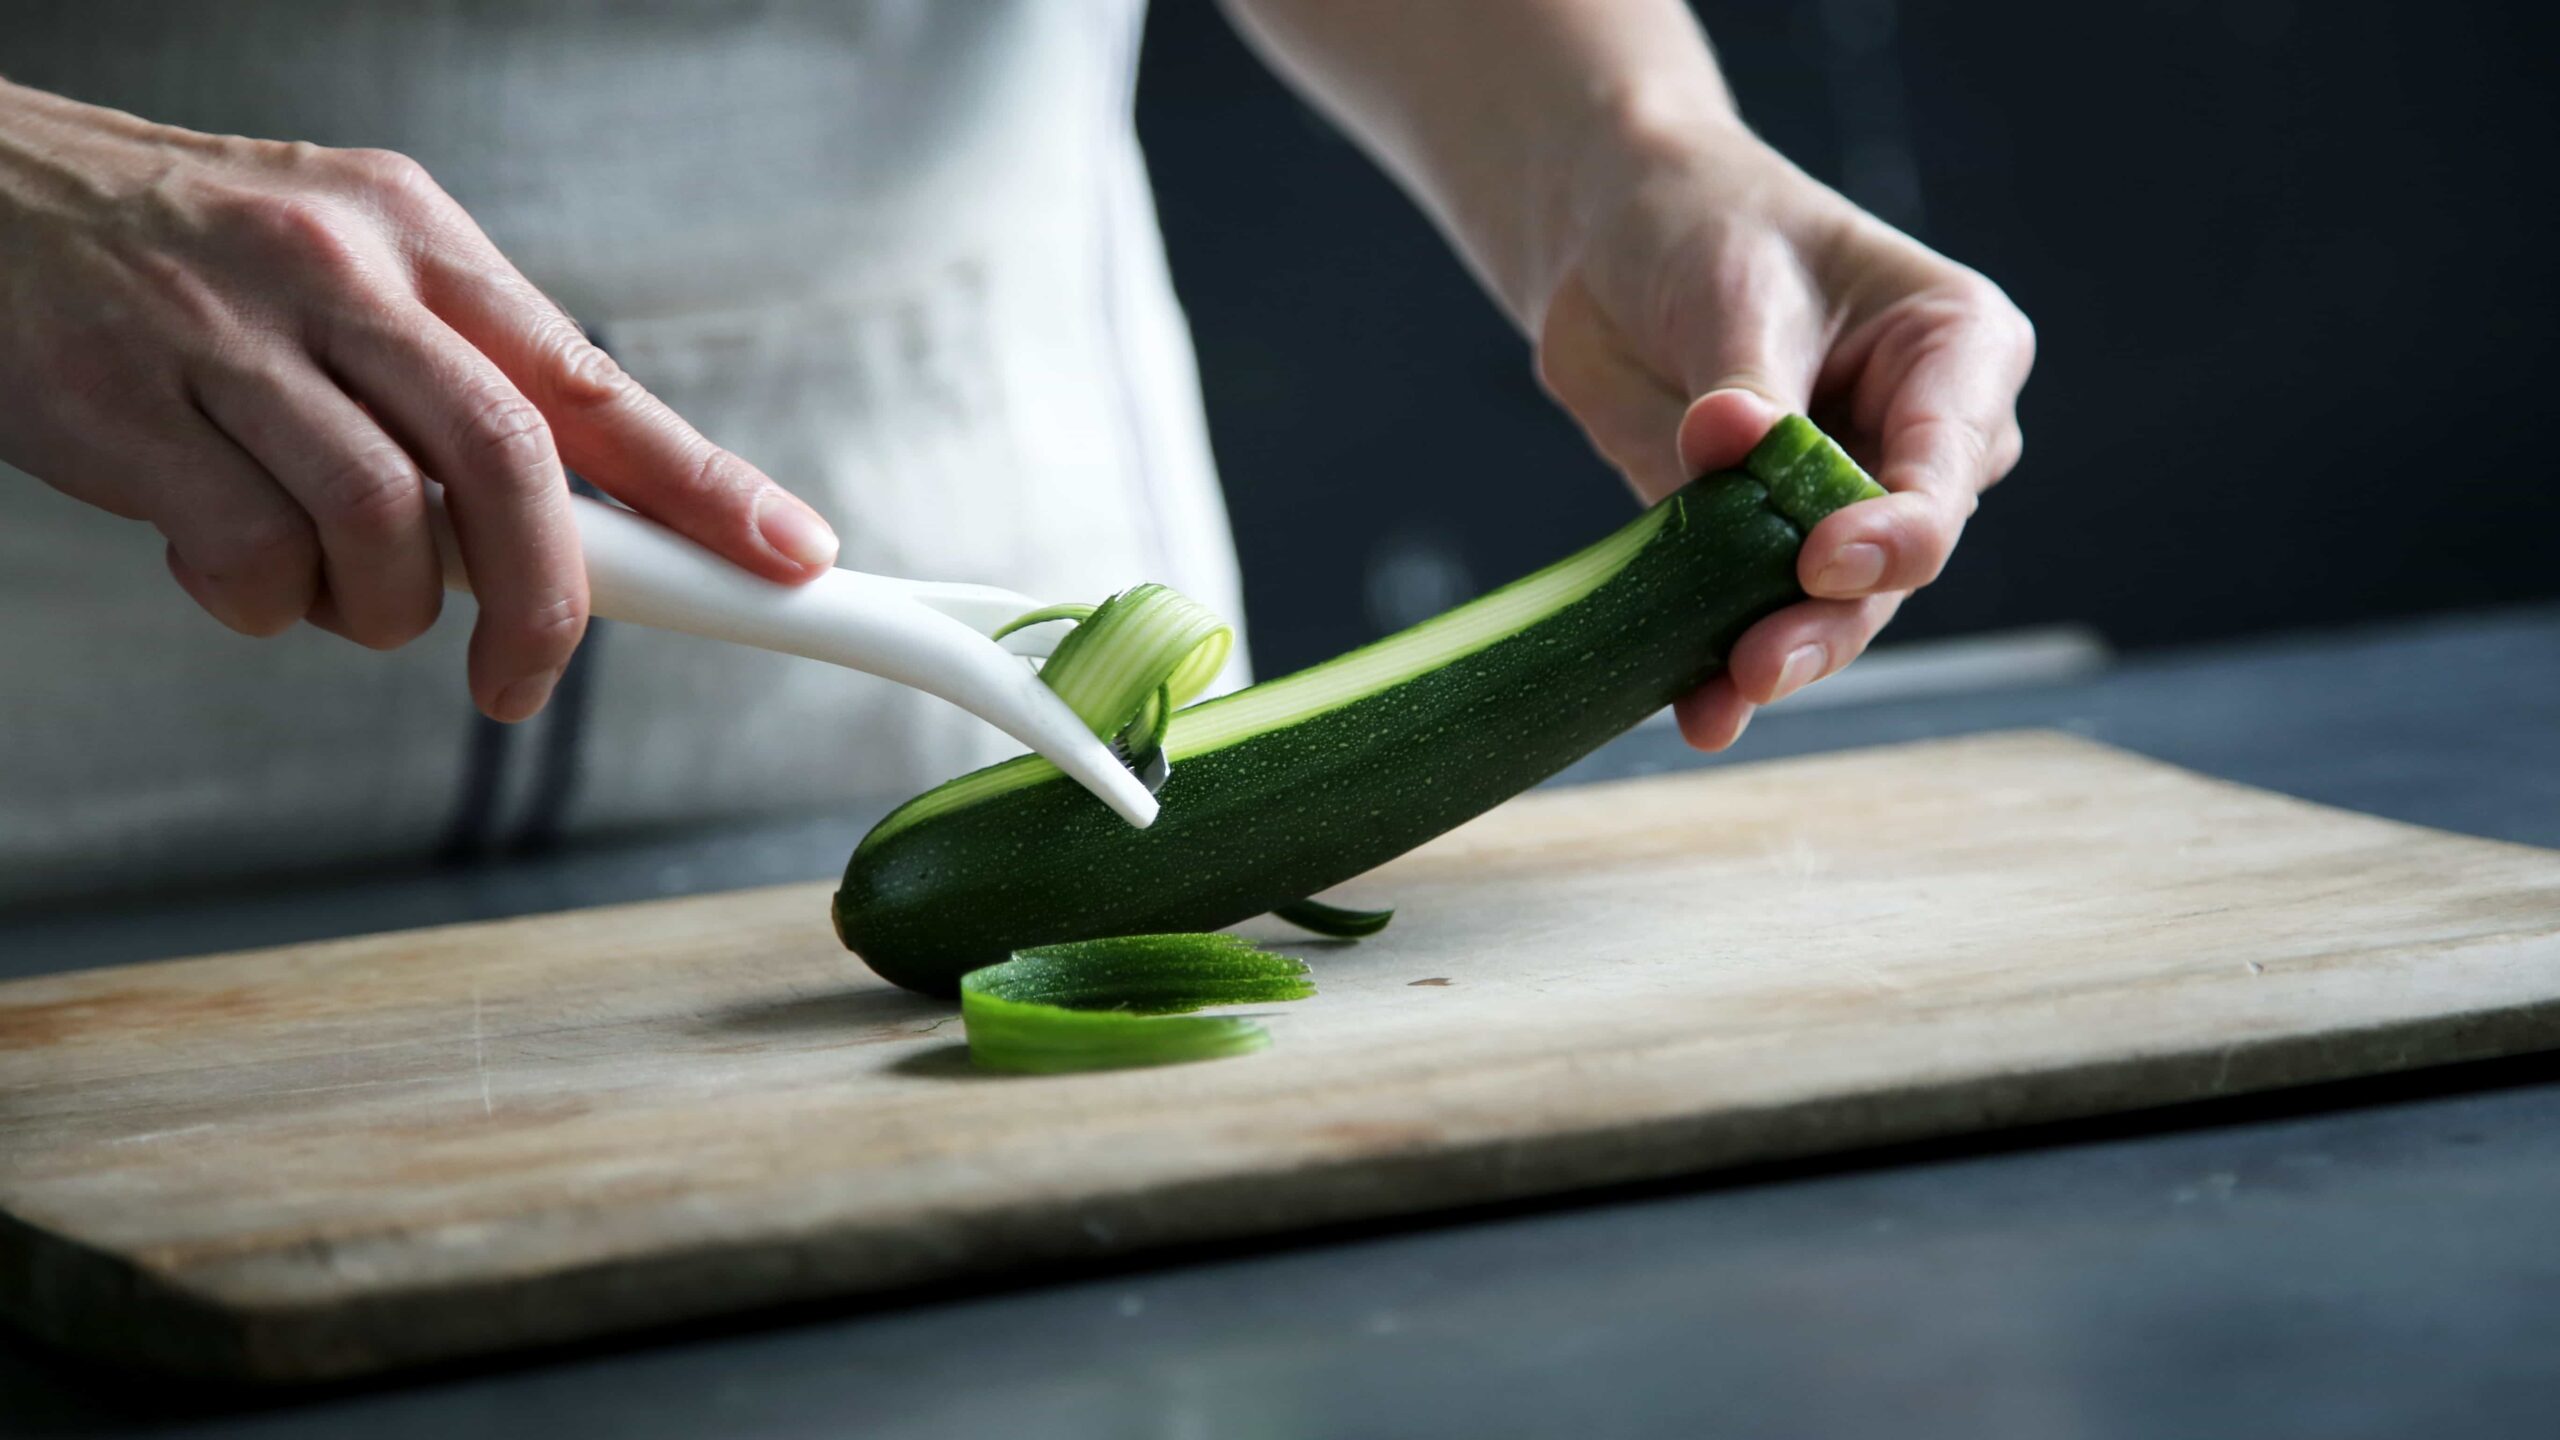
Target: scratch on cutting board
(147,1136)
(2222,1070)
(1799,860)
(480,1052)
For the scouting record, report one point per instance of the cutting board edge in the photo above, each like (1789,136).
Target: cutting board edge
(186,1327)
(120,1311)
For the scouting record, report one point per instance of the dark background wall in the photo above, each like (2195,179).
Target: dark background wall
(2289,264)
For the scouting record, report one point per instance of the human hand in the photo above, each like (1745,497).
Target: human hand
(1714,288)
(265,349)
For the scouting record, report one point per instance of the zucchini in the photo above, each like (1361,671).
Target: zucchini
(1288,787)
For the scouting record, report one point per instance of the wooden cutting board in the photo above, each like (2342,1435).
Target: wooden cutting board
(338,1157)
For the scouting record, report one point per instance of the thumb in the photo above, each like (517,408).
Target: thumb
(1748,356)
(1722,425)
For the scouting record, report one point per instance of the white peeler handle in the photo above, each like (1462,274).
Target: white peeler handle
(643,573)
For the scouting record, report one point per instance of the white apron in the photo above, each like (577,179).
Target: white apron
(898,253)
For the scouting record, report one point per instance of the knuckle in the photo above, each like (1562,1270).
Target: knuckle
(388,175)
(553,621)
(1920,544)
(2006,452)
(1993,305)
(506,434)
(717,474)
(309,233)
(1977,292)
(373,493)
(1954,509)
(1959,440)
(2022,331)
(1981,301)
(583,375)
(302,159)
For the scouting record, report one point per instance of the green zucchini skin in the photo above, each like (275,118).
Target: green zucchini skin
(1291,810)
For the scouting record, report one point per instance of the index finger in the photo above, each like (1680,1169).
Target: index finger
(1938,391)
(619,436)
(1944,403)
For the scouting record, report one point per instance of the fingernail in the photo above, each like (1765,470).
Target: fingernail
(1804,664)
(1855,568)
(794,530)
(522,698)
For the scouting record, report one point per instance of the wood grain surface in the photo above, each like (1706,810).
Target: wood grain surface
(340,1157)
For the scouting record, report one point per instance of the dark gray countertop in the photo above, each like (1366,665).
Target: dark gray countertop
(2374,1259)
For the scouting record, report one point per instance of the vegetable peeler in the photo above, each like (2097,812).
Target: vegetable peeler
(928,635)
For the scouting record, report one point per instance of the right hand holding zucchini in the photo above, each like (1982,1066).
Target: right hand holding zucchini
(1710,286)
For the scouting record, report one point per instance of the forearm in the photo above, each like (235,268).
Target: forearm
(1504,118)
(60,157)
(40,134)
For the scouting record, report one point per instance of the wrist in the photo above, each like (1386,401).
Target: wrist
(1658,120)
